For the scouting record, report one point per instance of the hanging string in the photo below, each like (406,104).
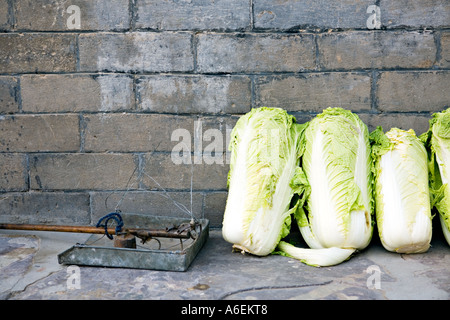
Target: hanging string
(126,191)
(166,194)
(179,205)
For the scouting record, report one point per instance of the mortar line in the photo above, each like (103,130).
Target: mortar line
(28,172)
(136,95)
(77,53)
(132,14)
(253,98)
(437,42)
(12,14)
(316,50)
(253,30)
(252,15)
(194,45)
(19,94)
(225,74)
(82,133)
(373,92)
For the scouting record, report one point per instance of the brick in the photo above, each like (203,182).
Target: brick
(147,132)
(192,15)
(418,122)
(315,91)
(13,174)
(215,203)
(83,171)
(255,52)
(75,92)
(171,176)
(376,50)
(445,50)
(37,133)
(9,95)
(136,51)
(413,91)
(154,203)
(45,208)
(302,117)
(292,14)
(43,15)
(415,13)
(37,52)
(194,94)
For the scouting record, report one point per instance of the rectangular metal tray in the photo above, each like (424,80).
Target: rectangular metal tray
(174,254)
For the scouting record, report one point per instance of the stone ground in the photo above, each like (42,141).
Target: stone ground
(29,270)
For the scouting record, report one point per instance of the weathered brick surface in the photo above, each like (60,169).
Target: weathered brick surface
(194,94)
(78,171)
(45,208)
(292,14)
(56,15)
(315,91)
(148,132)
(419,123)
(34,133)
(76,92)
(414,91)
(376,50)
(161,171)
(445,50)
(192,15)
(13,172)
(9,94)
(136,51)
(142,89)
(130,132)
(255,52)
(37,52)
(4,15)
(415,13)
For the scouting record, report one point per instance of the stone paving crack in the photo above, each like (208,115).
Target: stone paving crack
(228,294)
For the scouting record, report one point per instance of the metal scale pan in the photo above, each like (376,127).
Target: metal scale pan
(169,254)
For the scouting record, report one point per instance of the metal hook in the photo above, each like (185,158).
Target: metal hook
(114,216)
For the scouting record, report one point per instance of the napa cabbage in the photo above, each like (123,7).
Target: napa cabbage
(437,141)
(263,177)
(402,197)
(336,215)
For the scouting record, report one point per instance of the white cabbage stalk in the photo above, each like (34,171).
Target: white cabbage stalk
(336,219)
(437,141)
(402,195)
(262,180)
(316,257)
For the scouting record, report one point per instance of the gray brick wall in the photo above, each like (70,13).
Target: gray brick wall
(96,95)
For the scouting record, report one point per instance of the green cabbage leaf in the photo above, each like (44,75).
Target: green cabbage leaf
(437,142)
